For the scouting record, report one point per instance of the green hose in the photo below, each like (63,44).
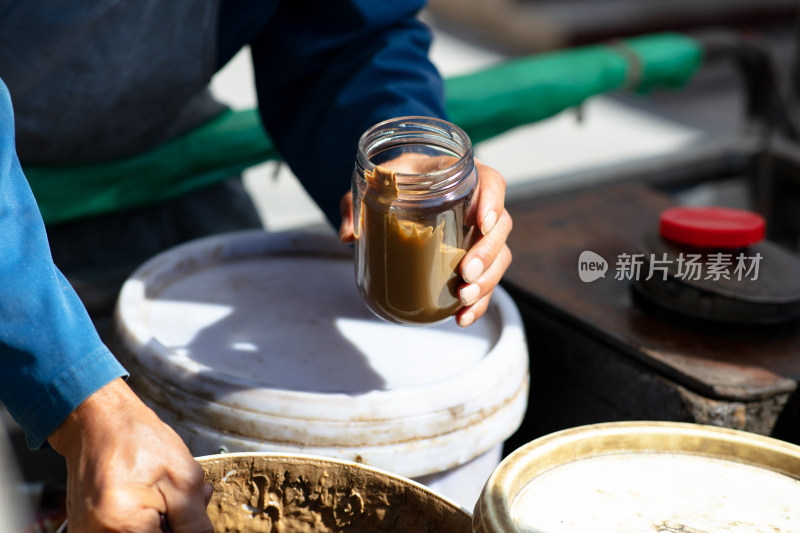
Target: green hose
(215,151)
(526,90)
(485,104)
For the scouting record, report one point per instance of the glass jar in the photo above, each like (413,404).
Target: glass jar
(412,185)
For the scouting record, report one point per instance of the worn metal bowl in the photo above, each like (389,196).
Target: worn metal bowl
(268,492)
(645,476)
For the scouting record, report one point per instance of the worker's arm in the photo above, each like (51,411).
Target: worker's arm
(51,357)
(125,467)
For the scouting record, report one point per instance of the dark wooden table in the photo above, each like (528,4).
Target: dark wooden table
(598,355)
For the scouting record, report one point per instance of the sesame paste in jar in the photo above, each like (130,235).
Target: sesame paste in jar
(410,267)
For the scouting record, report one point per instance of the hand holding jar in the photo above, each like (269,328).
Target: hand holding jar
(430,226)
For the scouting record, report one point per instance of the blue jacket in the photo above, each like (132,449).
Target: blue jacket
(51,357)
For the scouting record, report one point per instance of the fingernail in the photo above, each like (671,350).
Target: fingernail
(469,294)
(472,270)
(488,222)
(466,319)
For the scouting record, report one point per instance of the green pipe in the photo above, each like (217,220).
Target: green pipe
(529,89)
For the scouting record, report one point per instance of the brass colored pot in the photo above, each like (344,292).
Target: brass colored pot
(644,476)
(270,492)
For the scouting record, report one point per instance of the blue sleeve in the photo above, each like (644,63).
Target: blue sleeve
(51,357)
(327,70)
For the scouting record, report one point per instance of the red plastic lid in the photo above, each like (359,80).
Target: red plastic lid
(712,227)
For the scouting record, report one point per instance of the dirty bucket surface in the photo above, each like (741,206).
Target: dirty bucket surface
(295,493)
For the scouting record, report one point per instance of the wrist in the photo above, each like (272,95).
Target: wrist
(95,413)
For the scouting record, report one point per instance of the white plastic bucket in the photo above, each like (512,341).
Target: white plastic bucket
(254,341)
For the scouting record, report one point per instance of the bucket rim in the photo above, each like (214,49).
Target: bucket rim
(507,358)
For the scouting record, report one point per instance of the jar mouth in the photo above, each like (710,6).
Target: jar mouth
(421,135)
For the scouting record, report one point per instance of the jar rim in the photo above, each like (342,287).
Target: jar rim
(423,124)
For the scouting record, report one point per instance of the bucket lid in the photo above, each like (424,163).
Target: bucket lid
(644,476)
(264,336)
